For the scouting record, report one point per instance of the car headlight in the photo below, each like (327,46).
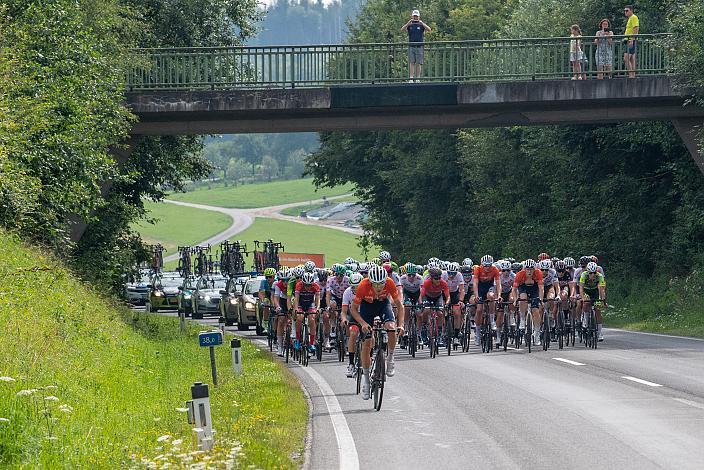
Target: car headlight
(187,296)
(207,298)
(249,305)
(158,294)
(233,301)
(200,297)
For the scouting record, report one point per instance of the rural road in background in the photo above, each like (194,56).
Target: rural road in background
(637,403)
(243,218)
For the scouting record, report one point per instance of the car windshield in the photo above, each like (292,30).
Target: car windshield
(217,283)
(169,282)
(252,286)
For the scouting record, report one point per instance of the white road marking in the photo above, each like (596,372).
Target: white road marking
(640,381)
(349,460)
(574,363)
(690,403)
(345,442)
(652,334)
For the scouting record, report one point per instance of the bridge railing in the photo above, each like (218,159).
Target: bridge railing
(444,61)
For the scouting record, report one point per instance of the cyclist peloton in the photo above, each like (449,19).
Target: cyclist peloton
(551,286)
(410,288)
(280,301)
(306,299)
(566,281)
(486,276)
(348,322)
(433,291)
(529,286)
(329,315)
(456,287)
(506,280)
(372,300)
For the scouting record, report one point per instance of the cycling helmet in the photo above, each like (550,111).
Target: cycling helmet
(308,278)
(269,272)
(583,261)
(435,273)
(411,268)
(487,260)
(594,258)
(284,274)
(340,270)
(511,260)
(394,266)
(504,265)
(384,256)
(433,260)
(323,274)
(569,262)
(403,270)
(592,267)
(543,256)
(355,279)
(433,264)
(465,268)
(309,266)
(515,267)
(453,268)
(376,261)
(297,272)
(349,260)
(354,267)
(377,274)
(363,268)
(545,264)
(560,265)
(387,267)
(467,262)
(529,263)
(554,260)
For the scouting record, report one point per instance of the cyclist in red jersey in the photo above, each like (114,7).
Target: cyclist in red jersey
(433,292)
(306,299)
(528,285)
(485,277)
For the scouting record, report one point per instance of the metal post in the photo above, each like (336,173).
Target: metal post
(212,366)
(236,356)
(199,415)
(182,320)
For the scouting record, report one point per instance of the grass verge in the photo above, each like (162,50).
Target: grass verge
(296,211)
(180,225)
(260,194)
(669,306)
(87,384)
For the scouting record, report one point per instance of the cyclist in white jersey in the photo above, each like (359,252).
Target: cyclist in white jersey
(551,286)
(455,282)
(348,321)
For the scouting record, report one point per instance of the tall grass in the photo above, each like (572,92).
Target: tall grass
(88,384)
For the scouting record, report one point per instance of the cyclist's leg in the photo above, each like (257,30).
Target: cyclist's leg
(478,320)
(312,324)
(389,321)
(299,324)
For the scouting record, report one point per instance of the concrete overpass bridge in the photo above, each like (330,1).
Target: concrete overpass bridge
(492,83)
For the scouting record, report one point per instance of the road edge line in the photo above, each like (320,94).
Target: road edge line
(661,335)
(567,361)
(641,381)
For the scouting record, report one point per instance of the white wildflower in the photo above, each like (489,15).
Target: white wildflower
(52,438)
(29,391)
(182,410)
(51,387)
(51,398)
(6,379)
(4,420)
(177,442)
(156,420)
(163,438)
(65,408)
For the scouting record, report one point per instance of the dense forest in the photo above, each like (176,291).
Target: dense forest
(627,192)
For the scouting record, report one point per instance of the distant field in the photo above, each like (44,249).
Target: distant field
(299,238)
(260,195)
(179,225)
(295,211)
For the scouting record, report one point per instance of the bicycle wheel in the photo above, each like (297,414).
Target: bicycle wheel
(593,326)
(358,366)
(319,341)
(449,333)
(546,330)
(529,331)
(287,340)
(560,328)
(270,335)
(432,331)
(305,342)
(504,333)
(378,379)
(412,337)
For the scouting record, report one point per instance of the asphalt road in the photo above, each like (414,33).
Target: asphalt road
(637,402)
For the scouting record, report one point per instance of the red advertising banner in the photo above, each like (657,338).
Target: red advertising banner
(294,259)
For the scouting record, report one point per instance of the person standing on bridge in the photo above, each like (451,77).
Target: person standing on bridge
(416,29)
(632,27)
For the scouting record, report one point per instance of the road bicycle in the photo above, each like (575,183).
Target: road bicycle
(466,331)
(412,333)
(545,324)
(433,333)
(378,366)
(319,335)
(449,329)
(486,335)
(509,328)
(340,336)
(591,337)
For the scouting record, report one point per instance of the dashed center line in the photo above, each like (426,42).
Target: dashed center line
(690,403)
(640,381)
(574,363)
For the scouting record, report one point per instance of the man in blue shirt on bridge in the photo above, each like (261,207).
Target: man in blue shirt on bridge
(415,28)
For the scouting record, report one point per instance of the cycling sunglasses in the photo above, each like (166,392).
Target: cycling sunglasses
(505,270)
(435,278)
(378,284)
(545,270)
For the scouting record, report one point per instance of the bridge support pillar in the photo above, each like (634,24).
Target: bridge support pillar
(687,129)
(120,154)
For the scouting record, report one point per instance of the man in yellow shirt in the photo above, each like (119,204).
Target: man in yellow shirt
(632,27)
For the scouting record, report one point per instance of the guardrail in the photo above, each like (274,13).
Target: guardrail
(324,65)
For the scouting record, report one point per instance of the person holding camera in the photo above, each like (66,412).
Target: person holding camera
(604,49)
(416,29)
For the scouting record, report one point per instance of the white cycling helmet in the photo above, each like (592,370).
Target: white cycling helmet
(384,256)
(309,266)
(545,264)
(308,278)
(504,264)
(377,274)
(297,272)
(592,267)
(487,260)
(453,267)
(433,260)
(363,267)
(349,260)
(569,262)
(529,263)
(467,262)
(354,267)
(355,279)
